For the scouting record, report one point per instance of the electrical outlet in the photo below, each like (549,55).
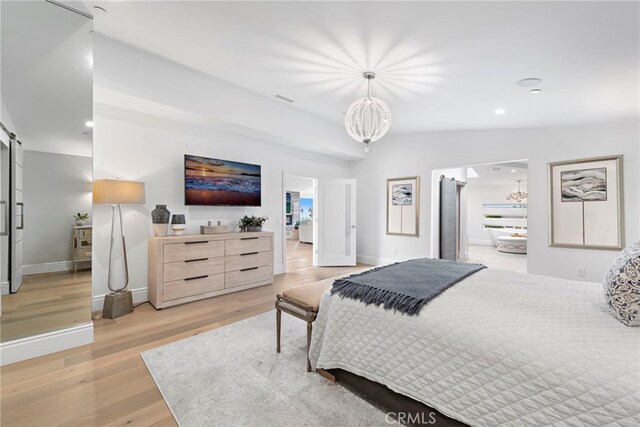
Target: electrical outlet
(581,272)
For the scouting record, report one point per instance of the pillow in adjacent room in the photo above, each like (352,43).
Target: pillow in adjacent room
(622,286)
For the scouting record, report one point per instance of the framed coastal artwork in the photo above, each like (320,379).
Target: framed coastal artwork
(586,203)
(403,206)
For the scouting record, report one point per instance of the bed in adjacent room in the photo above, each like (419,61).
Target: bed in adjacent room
(497,348)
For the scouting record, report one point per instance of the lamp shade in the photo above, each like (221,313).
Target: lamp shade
(117,192)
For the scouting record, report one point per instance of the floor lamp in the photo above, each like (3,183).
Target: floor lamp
(117,193)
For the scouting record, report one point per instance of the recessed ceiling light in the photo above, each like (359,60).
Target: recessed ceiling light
(89,124)
(500,111)
(513,170)
(102,9)
(535,91)
(530,82)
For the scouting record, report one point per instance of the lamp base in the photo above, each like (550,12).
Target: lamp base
(116,305)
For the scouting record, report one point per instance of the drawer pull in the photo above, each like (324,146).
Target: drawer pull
(195,260)
(247,269)
(197,277)
(249,238)
(194,243)
(250,253)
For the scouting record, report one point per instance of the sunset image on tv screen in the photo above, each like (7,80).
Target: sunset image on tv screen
(221,182)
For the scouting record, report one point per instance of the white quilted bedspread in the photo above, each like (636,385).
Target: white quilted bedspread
(498,348)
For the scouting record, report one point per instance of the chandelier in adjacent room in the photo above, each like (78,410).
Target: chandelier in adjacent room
(368,119)
(518,196)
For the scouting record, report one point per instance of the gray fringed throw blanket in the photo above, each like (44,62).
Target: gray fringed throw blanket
(404,286)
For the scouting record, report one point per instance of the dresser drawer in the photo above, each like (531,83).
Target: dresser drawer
(247,260)
(247,245)
(192,268)
(84,254)
(247,276)
(84,232)
(193,250)
(186,288)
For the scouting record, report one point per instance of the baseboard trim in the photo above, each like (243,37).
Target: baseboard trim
(278,269)
(369,260)
(39,345)
(4,288)
(47,267)
(139,295)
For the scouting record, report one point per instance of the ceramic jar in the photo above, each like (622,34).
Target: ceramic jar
(160,219)
(178,224)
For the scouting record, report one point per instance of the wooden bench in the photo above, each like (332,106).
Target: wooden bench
(302,302)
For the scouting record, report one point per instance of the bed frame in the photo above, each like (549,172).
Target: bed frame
(414,413)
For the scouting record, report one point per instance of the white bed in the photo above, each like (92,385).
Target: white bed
(496,349)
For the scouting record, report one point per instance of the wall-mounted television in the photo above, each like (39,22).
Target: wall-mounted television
(216,182)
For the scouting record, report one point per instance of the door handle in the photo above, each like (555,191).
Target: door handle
(21,226)
(353,226)
(5,218)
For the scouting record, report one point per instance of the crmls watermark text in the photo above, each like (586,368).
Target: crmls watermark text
(412,418)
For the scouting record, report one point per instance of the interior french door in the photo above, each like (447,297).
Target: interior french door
(5,141)
(16,214)
(335,218)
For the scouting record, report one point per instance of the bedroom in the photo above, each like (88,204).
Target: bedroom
(200,78)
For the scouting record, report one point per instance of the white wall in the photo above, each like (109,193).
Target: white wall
(420,154)
(478,195)
(56,187)
(134,139)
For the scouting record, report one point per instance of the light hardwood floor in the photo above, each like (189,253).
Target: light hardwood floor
(107,382)
(299,255)
(46,302)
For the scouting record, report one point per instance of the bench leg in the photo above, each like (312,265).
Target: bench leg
(278,323)
(309,327)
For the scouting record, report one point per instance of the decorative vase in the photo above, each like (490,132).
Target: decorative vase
(80,222)
(160,219)
(178,224)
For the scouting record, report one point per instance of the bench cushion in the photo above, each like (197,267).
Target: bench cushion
(309,295)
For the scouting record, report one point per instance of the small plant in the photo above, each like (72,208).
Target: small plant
(251,223)
(81,216)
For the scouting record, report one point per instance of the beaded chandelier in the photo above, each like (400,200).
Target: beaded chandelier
(368,119)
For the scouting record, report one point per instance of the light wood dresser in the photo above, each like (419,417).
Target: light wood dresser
(193,267)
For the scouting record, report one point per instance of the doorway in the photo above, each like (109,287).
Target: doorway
(481,217)
(299,204)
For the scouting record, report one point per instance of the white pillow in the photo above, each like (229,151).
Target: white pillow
(622,286)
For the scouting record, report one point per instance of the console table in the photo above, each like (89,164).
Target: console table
(193,267)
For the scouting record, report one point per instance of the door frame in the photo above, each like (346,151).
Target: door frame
(434,244)
(283,217)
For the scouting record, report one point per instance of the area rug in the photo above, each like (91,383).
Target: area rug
(232,376)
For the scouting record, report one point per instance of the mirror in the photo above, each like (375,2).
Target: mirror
(46,79)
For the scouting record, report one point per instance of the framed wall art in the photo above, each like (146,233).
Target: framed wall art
(586,203)
(403,206)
